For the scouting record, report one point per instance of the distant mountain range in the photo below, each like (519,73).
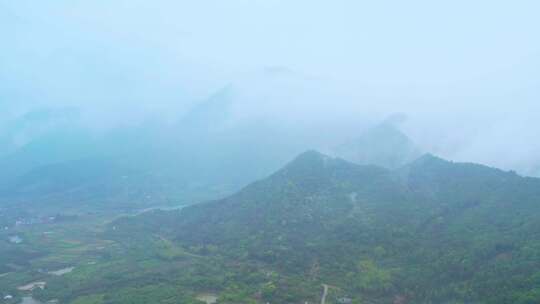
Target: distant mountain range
(200,157)
(85,185)
(206,154)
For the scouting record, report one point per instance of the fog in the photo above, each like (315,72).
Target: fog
(464,75)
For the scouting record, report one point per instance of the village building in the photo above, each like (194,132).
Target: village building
(345,300)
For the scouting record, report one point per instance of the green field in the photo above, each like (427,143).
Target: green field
(131,266)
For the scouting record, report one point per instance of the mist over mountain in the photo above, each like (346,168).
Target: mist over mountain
(383,145)
(205,153)
(286,104)
(214,148)
(219,145)
(269,152)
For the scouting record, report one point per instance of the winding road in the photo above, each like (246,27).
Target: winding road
(325,293)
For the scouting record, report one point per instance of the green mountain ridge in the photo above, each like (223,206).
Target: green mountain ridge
(432,231)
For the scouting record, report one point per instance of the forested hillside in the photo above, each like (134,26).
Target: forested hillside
(431,232)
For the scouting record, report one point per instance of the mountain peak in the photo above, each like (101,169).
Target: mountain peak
(429,158)
(313,160)
(311,156)
(383,145)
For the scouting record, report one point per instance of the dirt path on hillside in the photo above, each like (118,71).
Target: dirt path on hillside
(325,293)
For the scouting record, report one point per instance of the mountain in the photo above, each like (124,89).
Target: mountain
(88,184)
(383,145)
(432,231)
(312,188)
(59,146)
(198,158)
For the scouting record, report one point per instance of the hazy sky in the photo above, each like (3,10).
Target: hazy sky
(466,73)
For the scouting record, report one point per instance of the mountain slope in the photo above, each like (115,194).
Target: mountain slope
(299,195)
(432,231)
(88,184)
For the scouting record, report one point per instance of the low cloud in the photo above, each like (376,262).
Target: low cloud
(469,89)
